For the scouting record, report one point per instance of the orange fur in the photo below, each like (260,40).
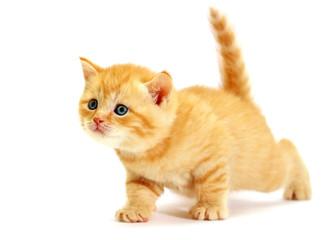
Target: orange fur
(200,142)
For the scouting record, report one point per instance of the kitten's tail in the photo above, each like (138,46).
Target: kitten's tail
(234,76)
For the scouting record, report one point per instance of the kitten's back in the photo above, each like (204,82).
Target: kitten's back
(247,132)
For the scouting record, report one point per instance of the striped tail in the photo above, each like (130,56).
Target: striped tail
(234,76)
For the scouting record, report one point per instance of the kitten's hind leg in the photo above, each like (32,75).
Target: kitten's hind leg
(298,185)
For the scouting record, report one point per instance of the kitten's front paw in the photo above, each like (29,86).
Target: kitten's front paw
(134,214)
(208,212)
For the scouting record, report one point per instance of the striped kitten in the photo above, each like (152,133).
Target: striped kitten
(199,141)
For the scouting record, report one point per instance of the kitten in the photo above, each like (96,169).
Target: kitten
(199,141)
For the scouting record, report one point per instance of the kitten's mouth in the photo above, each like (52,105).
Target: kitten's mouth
(98,129)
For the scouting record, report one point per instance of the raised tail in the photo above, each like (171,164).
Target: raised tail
(232,68)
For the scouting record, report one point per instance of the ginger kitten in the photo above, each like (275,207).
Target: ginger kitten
(199,141)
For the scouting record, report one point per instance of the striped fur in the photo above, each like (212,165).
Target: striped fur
(232,68)
(200,142)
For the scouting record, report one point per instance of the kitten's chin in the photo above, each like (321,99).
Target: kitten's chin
(107,140)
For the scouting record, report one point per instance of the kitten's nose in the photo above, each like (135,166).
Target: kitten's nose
(98,120)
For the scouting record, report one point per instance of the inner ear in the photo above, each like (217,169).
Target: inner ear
(89,69)
(160,88)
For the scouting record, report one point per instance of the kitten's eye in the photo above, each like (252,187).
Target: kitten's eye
(93,104)
(121,110)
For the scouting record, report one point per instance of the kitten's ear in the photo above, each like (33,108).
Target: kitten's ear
(89,68)
(160,88)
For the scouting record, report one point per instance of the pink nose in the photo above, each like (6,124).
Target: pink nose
(98,120)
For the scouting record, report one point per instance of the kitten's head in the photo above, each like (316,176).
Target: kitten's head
(125,106)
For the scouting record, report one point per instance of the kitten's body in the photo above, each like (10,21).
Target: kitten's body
(199,141)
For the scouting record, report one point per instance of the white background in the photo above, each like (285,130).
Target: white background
(57,183)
